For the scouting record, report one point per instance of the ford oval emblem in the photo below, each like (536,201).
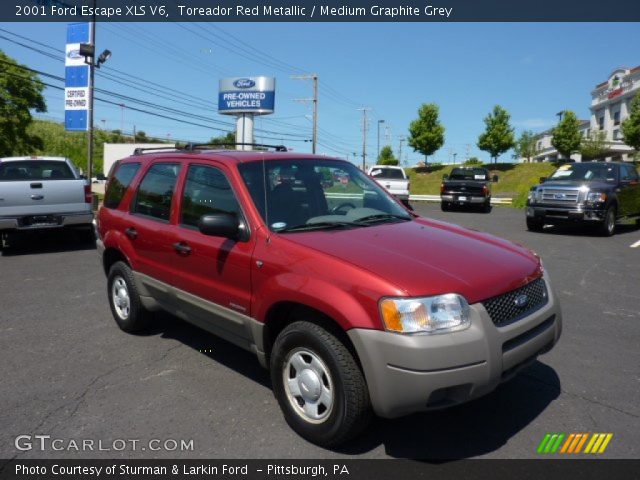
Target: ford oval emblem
(244,83)
(74,54)
(521,301)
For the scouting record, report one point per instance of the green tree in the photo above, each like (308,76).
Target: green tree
(498,135)
(473,161)
(229,138)
(526,146)
(141,137)
(386,156)
(426,134)
(631,126)
(594,146)
(566,136)
(20,92)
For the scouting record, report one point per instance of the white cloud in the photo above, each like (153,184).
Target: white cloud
(535,123)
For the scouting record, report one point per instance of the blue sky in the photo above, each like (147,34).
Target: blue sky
(532,69)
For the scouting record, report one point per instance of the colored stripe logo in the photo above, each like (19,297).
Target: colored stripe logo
(574,443)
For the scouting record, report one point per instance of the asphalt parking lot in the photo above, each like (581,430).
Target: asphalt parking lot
(68,372)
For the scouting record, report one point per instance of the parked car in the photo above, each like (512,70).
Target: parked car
(466,186)
(393,179)
(38,193)
(355,305)
(590,193)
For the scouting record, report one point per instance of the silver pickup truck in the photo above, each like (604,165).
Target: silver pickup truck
(42,193)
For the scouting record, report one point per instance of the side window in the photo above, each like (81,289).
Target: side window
(206,191)
(630,174)
(119,183)
(156,191)
(625,173)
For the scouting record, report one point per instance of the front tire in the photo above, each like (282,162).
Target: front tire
(608,226)
(534,225)
(319,385)
(124,299)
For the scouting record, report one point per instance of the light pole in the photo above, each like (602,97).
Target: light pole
(88,51)
(454,157)
(379,122)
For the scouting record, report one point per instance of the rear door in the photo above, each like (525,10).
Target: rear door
(148,224)
(38,187)
(213,269)
(629,194)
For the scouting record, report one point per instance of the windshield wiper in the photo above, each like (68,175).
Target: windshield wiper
(317,226)
(379,217)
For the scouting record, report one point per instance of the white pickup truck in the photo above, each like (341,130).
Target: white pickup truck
(393,179)
(39,193)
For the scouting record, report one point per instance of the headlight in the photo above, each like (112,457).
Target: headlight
(596,197)
(440,314)
(534,195)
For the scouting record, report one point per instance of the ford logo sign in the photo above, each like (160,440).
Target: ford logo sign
(521,301)
(74,54)
(244,83)
(559,196)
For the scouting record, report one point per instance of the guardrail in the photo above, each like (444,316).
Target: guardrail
(420,198)
(436,198)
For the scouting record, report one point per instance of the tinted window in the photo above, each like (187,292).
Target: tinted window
(35,170)
(119,183)
(627,172)
(206,191)
(156,191)
(589,171)
(391,173)
(468,174)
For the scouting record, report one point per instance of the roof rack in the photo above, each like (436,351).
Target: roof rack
(193,146)
(141,150)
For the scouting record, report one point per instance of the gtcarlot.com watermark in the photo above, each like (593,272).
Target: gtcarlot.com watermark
(45,443)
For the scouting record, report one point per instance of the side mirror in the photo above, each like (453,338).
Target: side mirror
(494,179)
(219,225)
(445,176)
(543,179)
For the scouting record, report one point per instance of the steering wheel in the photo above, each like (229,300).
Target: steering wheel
(340,209)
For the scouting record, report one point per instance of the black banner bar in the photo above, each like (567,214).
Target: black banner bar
(593,469)
(319,11)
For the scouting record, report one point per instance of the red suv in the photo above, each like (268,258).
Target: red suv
(354,304)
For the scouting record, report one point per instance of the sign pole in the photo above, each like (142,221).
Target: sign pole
(92,70)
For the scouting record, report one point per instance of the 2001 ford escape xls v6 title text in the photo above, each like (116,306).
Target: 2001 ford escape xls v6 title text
(353,303)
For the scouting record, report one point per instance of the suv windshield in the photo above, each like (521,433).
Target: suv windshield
(586,172)
(35,170)
(390,173)
(306,194)
(468,174)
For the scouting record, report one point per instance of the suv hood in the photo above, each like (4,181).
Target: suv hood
(426,257)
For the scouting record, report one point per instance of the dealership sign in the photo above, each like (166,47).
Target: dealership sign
(76,85)
(238,95)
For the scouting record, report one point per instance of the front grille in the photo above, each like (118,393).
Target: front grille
(559,196)
(504,310)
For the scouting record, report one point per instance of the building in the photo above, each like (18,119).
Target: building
(610,105)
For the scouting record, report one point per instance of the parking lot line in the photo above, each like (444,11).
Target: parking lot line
(635,245)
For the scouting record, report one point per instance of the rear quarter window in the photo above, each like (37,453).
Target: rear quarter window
(119,183)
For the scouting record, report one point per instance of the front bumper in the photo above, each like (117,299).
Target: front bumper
(411,373)
(463,199)
(42,222)
(558,214)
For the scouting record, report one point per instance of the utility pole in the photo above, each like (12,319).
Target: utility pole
(402,138)
(314,101)
(379,122)
(92,70)
(365,126)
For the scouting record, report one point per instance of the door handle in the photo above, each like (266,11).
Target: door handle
(131,232)
(182,248)
(37,197)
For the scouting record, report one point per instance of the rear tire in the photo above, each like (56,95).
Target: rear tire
(608,226)
(445,207)
(534,225)
(124,300)
(486,208)
(319,385)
